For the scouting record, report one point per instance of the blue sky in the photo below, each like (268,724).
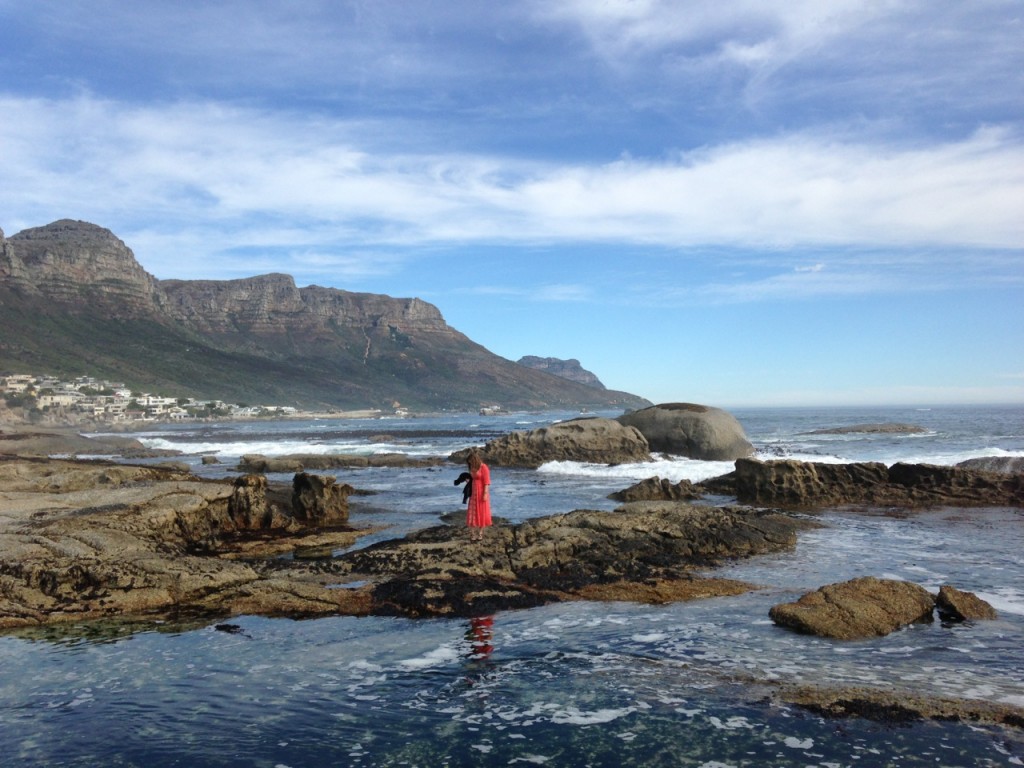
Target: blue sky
(744,203)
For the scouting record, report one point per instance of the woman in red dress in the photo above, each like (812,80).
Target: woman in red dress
(478,513)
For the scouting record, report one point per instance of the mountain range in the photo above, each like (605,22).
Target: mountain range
(75,301)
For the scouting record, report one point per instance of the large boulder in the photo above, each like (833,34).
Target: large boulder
(594,440)
(695,431)
(857,609)
(799,484)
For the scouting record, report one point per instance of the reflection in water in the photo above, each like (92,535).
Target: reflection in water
(480,636)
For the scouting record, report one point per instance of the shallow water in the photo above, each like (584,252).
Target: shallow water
(582,684)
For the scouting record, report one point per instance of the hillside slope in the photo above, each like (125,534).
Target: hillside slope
(74,300)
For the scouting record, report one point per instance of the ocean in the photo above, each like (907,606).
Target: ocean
(581,684)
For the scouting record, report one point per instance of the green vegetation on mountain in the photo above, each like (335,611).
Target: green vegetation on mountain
(74,301)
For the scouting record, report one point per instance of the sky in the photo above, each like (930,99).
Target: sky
(752,203)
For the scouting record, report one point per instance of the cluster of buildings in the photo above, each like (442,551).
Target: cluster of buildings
(112,401)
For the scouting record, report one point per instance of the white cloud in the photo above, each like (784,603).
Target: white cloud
(212,177)
(549,293)
(747,31)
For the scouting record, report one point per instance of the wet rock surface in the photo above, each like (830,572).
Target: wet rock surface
(644,551)
(90,540)
(865,607)
(798,484)
(658,489)
(897,707)
(258,463)
(595,440)
(956,605)
(871,607)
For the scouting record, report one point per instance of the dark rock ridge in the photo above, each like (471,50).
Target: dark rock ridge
(73,298)
(691,430)
(565,369)
(797,484)
(897,707)
(658,489)
(871,607)
(870,429)
(630,554)
(595,440)
(254,462)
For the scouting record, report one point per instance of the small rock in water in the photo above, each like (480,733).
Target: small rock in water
(954,605)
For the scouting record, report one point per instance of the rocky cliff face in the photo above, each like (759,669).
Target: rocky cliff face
(267,304)
(565,369)
(77,263)
(73,298)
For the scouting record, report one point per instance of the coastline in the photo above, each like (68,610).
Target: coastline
(305,597)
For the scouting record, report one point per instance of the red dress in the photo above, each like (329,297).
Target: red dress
(478,513)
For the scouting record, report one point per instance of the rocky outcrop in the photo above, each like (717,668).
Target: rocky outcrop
(317,500)
(955,605)
(300,462)
(1009,465)
(77,263)
(272,304)
(18,440)
(88,540)
(251,508)
(594,440)
(871,429)
(695,431)
(871,607)
(798,484)
(564,369)
(627,554)
(658,489)
(894,707)
(865,607)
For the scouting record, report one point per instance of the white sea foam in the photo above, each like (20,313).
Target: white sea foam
(434,658)
(652,637)
(574,716)
(731,724)
(1005,600)
(285,447)
(794,743)
(674,469)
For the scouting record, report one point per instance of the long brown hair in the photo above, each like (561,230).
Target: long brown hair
(473,461)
